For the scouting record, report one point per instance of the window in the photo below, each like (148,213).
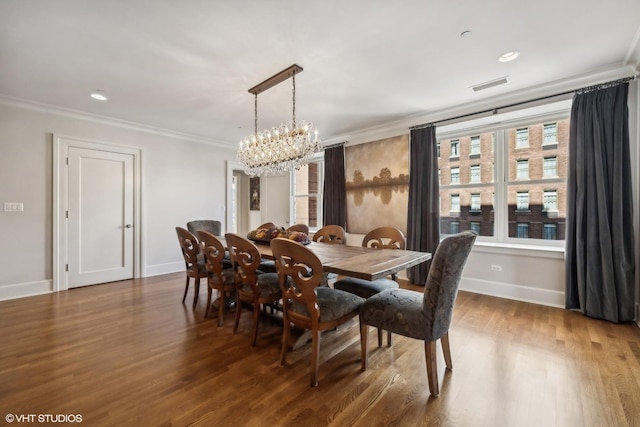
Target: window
(514,186)
(455,175)
(439,176)
(454,227)
(550,133)
(522,230)
(455,203)
(550,200)
(522,138)
(475,173)
(522,201)
(475,202)
(522,169)
(549,231)
(475,145)
(438,149)
(475,226)
(455,148)
(550,167)
(307,194)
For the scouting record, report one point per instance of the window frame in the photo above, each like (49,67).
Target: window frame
(499,131)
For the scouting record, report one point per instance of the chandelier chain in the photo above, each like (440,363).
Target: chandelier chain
(255,117)
(294,100)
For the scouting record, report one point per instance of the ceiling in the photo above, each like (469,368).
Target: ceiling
(186,66)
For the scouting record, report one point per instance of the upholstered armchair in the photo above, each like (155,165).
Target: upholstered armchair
(209,225)
(424,316)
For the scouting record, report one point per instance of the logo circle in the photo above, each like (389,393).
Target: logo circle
(9,418)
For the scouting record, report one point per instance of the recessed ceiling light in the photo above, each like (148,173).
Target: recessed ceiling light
(465,33)
(509,56)
(98,95)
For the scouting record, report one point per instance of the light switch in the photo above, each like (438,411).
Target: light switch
(13,206)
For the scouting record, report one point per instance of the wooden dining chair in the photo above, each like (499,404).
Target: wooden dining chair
(222,279)
(378,238)
(306,304)
(209,225)
(302,228)
(422,315)
(330,234)
(251,287)
(194,261)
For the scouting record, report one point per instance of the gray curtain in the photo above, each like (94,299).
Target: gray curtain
(334,208)
(423,217)
(599,243)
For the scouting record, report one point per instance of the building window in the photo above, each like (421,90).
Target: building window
(455,203)
(454,227)
(522,230)
(438,149)
(522,138)
(522,169)
(475,202)
(550,133)
(550,200)
(522,201)
(475,173)
(455,148)
(307,194)
(549,231)
(475,145)
(550,167)
(475,226)
(439,176)
(455,175)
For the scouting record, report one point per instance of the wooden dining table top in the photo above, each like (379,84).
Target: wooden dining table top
(356,261)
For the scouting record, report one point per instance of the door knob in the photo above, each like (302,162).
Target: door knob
(128,226)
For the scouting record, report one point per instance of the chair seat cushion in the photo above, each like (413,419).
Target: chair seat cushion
(268,266)
(268,285)
(333,304)
(399,311)
(228,275)
(365,288)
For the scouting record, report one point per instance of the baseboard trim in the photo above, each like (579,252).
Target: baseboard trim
(27,289)
(514,292)
(158,269)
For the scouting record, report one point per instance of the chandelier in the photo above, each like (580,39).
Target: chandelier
(281,148)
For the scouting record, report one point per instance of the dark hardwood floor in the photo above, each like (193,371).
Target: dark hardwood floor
(130,354)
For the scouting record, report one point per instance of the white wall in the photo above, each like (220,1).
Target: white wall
(181,180)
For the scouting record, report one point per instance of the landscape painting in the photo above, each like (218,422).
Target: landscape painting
(377,175)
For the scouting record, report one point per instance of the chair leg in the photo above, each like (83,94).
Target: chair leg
(432,368)
(286,332)
(221,304)
(206,312)
(315,356)
(238,310)
(256,321)
(364,328)
(379,337)
(388,338)
(197,291)
(186,289)
(444,340)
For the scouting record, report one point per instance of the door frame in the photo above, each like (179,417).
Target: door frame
(61,146)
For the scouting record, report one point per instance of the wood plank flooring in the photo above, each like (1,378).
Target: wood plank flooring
(130,354)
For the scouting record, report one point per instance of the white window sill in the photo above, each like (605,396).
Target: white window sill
(520,249)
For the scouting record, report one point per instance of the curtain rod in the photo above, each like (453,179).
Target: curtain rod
(542,98)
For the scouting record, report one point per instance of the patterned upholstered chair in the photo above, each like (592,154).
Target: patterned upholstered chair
(303,228)
(424,316)
(306,304)
(220,278)
(193,260)
(379,238)
(251,287)
(209,225)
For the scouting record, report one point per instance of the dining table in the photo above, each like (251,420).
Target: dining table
(357,261)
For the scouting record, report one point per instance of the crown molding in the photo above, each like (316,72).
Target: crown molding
(109,121)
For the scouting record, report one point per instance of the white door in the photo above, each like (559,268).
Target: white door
(100,216)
